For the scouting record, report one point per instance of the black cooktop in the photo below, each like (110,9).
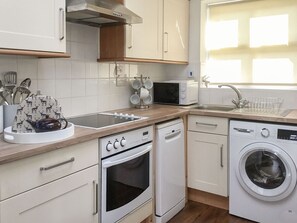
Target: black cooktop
(100,120)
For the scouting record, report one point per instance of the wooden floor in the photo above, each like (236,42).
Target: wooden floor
(200,213)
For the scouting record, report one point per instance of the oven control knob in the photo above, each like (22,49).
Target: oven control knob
(116,144)
(265,132)
(183,95)
(109,146)
(123,142)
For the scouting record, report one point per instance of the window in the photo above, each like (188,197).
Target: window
(249,41)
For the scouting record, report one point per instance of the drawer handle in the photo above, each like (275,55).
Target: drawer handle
(206,124)
(56,165)
(221,150)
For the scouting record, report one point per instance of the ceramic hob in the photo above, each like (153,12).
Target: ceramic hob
(100,120)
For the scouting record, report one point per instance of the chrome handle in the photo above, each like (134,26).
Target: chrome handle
(207,124)
(95,191)
(130,43)
(166,44)
(56,165)
(62,24)
(116,162)
(244,130)
(221,151)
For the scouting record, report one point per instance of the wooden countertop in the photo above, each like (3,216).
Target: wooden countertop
(155,114)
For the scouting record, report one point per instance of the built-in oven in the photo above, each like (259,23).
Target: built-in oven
(126,172)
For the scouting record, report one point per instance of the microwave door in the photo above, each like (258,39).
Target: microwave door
(166,93)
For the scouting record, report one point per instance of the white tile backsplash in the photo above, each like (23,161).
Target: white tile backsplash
(63,88)
(47,87)
(91,87)
(46,69)
(78,87)
(77,51)
(78,69)
(27,67)
(63,69)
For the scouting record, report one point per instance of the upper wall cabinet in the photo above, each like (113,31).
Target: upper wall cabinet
(176,30)
(144,40)
(162,37)
(32,25)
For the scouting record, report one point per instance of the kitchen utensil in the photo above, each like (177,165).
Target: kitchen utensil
(134,99)
(144,93)
(136,84)
(22,89)
(148,84)
(10,81)
(1,94)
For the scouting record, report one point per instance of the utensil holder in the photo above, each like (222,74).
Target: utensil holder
(9,112)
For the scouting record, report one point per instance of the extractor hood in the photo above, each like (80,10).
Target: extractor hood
(99,13)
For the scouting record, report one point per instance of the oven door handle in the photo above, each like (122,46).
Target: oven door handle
(119,161)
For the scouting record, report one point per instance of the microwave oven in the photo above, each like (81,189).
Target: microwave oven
(176,92)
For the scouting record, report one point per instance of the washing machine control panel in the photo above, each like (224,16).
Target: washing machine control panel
(287,134)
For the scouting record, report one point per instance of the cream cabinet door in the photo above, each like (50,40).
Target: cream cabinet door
(71,199)
(33,25)
(176,30)
(145,40)
(207,162)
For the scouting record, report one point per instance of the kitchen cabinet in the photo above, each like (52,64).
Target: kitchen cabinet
(176,30)
(32,25)
(207,154)
(157,39)
(59,186)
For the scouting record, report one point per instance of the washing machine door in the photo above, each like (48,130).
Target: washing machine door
(266,171)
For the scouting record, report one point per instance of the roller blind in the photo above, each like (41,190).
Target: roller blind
(250,42)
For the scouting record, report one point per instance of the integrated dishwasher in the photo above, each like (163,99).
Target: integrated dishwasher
(170,170)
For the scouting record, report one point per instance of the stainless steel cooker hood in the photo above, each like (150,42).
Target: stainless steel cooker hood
(99,13)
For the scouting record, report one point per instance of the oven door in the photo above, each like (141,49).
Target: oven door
(126,182)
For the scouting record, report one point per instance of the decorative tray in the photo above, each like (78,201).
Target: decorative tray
(41,137)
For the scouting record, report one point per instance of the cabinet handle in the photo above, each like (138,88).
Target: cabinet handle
(56,165)
(62,24)
(221,151)
(95,190)
(130,42)
(166,40)
(207,124)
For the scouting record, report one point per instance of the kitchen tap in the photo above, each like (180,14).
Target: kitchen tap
(205,80)
(239,102)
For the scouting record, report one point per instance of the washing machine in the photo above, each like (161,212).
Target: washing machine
(263,159)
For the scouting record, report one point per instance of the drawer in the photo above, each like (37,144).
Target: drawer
(208,124)
(19,176)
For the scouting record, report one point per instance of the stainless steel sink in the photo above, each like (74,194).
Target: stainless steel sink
(214,107)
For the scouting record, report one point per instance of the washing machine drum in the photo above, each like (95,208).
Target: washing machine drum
(266,171)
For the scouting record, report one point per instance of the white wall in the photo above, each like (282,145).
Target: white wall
(80,84)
